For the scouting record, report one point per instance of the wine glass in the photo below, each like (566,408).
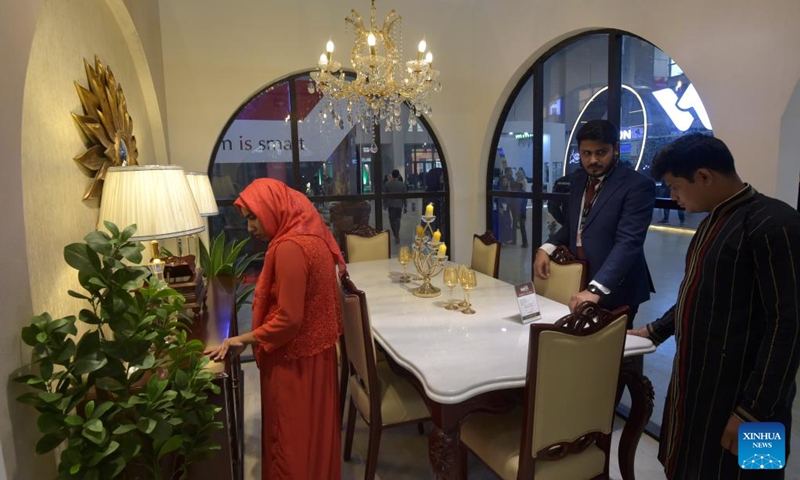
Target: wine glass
(468,281)
(451,280)
(462,269)
(404,257)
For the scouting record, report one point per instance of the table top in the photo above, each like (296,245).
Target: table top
(456,356)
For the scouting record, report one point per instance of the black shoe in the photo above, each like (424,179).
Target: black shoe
(524,245)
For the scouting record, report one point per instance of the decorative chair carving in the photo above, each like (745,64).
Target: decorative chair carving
(364,243)
(381,397)
(486,254)
(568,276)
(563,429)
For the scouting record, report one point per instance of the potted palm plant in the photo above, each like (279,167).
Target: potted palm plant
(225,259)
(129,397)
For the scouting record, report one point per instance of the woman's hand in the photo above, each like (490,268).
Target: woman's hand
(230,346)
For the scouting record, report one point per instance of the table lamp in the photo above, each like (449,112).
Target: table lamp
(203,193)
(158,199)
(204,198)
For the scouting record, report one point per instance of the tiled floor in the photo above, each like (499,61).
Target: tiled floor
(404,452)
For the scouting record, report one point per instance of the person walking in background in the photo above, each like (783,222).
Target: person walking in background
(736,320)
(509,210)
(663,192)
(395,206)
(610,209)
(434,182)
(521,185)
(297,319)
(558,208)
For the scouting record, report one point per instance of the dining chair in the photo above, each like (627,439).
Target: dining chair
(568,276)
(381,397)
(563,428)
(486,254)
(364,243)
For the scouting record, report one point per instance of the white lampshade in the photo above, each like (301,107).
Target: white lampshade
(203,194)
(156,198)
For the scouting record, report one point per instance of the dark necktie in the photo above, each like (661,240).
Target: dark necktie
(591,190)
(588,200)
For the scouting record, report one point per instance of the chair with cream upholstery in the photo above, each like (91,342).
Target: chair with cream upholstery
(382,398)
(563,429)
(567,276)
(486,254)
(364,243)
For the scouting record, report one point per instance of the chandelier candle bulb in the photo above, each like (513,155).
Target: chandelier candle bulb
(429,58)
(442,251)
(429,211)
(421,49)
(437,236)
(323,60)
(371,42)
(420,231)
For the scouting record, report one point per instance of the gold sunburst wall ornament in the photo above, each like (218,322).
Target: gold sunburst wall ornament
(105,126)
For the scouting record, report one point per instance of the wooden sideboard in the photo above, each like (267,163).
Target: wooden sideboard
(216,322)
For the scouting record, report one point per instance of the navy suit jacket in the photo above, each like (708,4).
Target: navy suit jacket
(614,233)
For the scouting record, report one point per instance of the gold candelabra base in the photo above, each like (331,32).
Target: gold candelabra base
(426,290)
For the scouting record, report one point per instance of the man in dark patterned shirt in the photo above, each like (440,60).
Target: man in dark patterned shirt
(737,317)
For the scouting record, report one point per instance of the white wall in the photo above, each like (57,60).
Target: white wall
(17,25)
(52,184)
(41,188)
(739,55)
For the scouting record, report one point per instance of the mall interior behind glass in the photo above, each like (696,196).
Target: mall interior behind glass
(225,88)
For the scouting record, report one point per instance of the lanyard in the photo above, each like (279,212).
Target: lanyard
(588,207)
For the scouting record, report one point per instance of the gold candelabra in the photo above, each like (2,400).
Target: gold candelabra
(428,257)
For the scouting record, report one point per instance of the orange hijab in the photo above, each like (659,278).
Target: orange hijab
(284,213)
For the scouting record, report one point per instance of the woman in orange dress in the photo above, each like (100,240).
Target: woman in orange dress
(297,320)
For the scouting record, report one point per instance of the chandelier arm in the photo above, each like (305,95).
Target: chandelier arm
(382,81)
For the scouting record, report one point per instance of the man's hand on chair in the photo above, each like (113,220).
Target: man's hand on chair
(580,297)
(541,265)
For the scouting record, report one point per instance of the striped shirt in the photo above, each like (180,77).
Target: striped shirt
(737,331)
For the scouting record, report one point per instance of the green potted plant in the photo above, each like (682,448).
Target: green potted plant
(226,259)
(129,397)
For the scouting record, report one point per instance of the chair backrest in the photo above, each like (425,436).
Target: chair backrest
(364,243)
(567,276)
(570,393)
(360,347)
(486,254)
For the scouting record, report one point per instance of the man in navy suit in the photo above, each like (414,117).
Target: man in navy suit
(610,209)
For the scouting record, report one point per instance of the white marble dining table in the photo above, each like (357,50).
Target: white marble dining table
(465,363)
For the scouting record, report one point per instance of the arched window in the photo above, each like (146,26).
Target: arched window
(605,74)
(283,132)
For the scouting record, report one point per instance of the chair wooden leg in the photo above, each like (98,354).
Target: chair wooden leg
(372,451)
(351,426)
(421,428)
(343,381)
(344,376)
(462,460)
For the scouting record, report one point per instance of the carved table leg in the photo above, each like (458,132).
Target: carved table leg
(447,461)
(641,391)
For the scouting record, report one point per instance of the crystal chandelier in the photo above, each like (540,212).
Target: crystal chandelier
(382,81)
